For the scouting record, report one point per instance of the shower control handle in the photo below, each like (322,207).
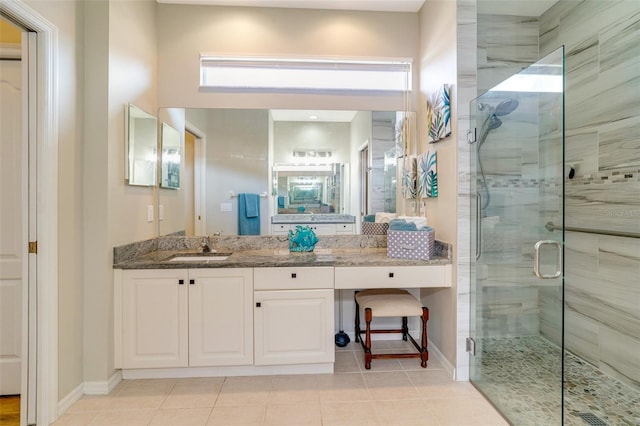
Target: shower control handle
(536,259)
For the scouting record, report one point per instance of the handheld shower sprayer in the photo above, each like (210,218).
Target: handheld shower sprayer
(490,123)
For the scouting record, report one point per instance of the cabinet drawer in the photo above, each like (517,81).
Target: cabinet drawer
(345,228)
(323,228)
(280,228)
(292,278)
(393,276)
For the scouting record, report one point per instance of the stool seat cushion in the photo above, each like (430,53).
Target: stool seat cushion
(389,302)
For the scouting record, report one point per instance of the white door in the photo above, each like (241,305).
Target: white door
(220,317)
(155,318)
(12,222)
(293,327)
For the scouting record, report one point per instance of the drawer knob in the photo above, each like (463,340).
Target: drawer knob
(294,275)
(192,282)
(181,282)
(390,274)
(258,305)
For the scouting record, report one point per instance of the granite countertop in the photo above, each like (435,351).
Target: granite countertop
(278,258)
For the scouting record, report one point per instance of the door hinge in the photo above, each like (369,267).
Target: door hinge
(471,346)
(33,247)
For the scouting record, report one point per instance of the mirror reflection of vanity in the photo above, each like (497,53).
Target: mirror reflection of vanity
(305,165)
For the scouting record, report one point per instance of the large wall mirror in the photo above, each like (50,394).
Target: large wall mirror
(142,147)
(171,157)
(298,161)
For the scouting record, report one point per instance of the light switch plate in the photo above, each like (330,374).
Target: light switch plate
(226,207)
(149,213)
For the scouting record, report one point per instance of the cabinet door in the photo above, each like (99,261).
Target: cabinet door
(154,319)
(293,327)
(220,317)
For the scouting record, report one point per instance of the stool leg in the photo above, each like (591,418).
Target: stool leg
(367,343)
(424,353)
(357,318)
(405,329)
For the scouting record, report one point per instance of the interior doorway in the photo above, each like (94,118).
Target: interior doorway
(188,183)
(39,204)
(365,169)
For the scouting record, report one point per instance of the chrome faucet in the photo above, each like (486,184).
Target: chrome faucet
(206,248)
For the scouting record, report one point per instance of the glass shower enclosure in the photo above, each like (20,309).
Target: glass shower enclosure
(517,232)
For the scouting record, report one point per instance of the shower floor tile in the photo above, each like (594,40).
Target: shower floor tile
(521,375)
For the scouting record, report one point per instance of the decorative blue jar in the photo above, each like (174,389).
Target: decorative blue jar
(303,239)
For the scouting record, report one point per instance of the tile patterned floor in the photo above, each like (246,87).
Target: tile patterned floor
(525,385)
(393,392)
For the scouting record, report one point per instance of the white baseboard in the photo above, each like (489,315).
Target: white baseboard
(103,388)
(70,399)
(249,370)
(435,352)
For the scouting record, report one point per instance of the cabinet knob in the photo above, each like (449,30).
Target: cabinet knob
(258,304)
(180,282)
(294,275)
(192,282)
(390,274)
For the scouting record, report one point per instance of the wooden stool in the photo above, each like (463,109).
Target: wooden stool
(389,302)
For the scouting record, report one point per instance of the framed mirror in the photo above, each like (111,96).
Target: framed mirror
(142,147)
(171,157)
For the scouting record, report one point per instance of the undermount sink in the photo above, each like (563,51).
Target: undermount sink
(199,257)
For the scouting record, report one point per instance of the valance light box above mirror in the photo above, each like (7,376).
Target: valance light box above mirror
(142,147)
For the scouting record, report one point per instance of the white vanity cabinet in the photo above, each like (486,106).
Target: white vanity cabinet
(155,323)
(185,318)
(293,315)
(318,228)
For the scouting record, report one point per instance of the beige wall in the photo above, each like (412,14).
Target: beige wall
(438,66)
(120,67)
(67,17)
(186,31)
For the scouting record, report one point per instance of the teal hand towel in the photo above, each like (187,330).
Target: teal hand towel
(402,225)
(369,218)
(248,214)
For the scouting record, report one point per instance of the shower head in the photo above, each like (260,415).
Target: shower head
(506,107)
(493,122)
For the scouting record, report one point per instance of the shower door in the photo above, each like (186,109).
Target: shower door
(517,220)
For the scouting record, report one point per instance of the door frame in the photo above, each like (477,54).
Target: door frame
(44,104)
(199,177)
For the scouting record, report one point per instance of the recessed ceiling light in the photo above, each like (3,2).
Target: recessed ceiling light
(313,117)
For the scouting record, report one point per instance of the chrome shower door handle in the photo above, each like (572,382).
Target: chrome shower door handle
(536,259)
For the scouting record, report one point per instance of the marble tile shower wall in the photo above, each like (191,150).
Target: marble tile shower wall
(466,91)
(602,59)
(507,45)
